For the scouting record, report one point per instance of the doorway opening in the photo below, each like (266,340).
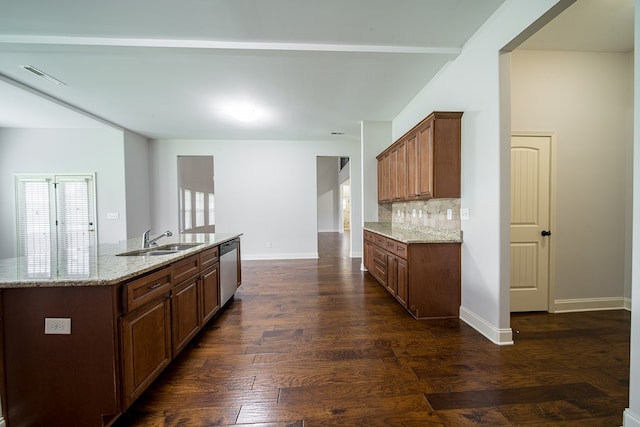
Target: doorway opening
(333,206)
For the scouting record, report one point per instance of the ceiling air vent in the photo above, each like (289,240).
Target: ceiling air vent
(40,73)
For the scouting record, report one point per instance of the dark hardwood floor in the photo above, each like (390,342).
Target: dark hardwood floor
(320,343)
(333,244)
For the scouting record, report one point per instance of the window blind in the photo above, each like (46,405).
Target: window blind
(56,223)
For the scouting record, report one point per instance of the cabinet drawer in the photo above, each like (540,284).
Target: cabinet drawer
(369,236)
(147,288)
(208,257)
(379,255)
(400,249)
(391,246)
(380,271)
(186,268)
(380,241)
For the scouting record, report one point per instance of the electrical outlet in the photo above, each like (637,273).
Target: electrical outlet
(57,325)
(464,214)
(268,244)
(449,214)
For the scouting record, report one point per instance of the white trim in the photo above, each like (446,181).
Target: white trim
(627,304)
(223,44)
(590,304)
(2,423)
(630,419)
(495,335)
(259,257)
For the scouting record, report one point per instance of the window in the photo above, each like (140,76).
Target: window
(187,209)
(56,224)
(199,208)
(195,194)
(212,212)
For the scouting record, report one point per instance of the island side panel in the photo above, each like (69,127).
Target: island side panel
(61,379)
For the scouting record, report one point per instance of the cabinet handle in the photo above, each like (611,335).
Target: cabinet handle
(155,286)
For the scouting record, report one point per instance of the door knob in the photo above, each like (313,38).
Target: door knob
(545,233)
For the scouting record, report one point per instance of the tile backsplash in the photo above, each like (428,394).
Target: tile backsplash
(427,213)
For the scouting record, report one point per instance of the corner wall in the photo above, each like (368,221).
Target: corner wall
(471,83)
(136,166)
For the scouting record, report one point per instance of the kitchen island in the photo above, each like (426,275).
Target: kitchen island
(84,335)
(419,266)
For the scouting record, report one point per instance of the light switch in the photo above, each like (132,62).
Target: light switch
(464,214)
(449,214)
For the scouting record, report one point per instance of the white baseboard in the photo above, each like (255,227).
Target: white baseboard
(493,334)
(260,257)
(630,419)
(627,304)
(590,304)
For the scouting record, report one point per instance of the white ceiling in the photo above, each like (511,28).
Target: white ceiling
(162,68)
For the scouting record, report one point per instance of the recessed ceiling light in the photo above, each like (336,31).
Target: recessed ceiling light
(40,73)
(243,112)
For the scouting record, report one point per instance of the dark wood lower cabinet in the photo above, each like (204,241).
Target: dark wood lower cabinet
(146,347)
(423,277)
(185,313)
(122,337)
(210,292)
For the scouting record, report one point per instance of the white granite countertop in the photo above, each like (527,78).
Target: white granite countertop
(415,234)
(98,267)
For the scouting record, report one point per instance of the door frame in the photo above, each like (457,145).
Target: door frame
(552,209)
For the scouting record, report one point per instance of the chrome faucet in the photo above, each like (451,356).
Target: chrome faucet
(145,238)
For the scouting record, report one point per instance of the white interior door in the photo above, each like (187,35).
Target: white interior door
(530,233)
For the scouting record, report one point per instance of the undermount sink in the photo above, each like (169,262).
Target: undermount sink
(161,250)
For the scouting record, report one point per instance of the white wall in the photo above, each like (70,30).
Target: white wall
(264,189)
(328,194)
(136,163)
(64,151)
(375,138)
(586,99)
(632,414)
(471,83)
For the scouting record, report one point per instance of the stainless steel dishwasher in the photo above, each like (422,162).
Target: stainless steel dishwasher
(228,270)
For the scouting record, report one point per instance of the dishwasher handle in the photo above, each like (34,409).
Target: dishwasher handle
(227,247)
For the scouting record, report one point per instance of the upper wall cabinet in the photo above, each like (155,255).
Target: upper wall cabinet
(424,163)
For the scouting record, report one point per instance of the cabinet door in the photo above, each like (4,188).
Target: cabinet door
(413,177)
(400,176)
(425,163)
(210,292)
(402,281)
(146,347)
(384,176)
(392,283)
(185,314)
(368,255)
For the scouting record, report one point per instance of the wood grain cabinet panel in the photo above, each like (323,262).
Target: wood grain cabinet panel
(423,277)
(146,347)
(424,163)
(185,314)
(210,293)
